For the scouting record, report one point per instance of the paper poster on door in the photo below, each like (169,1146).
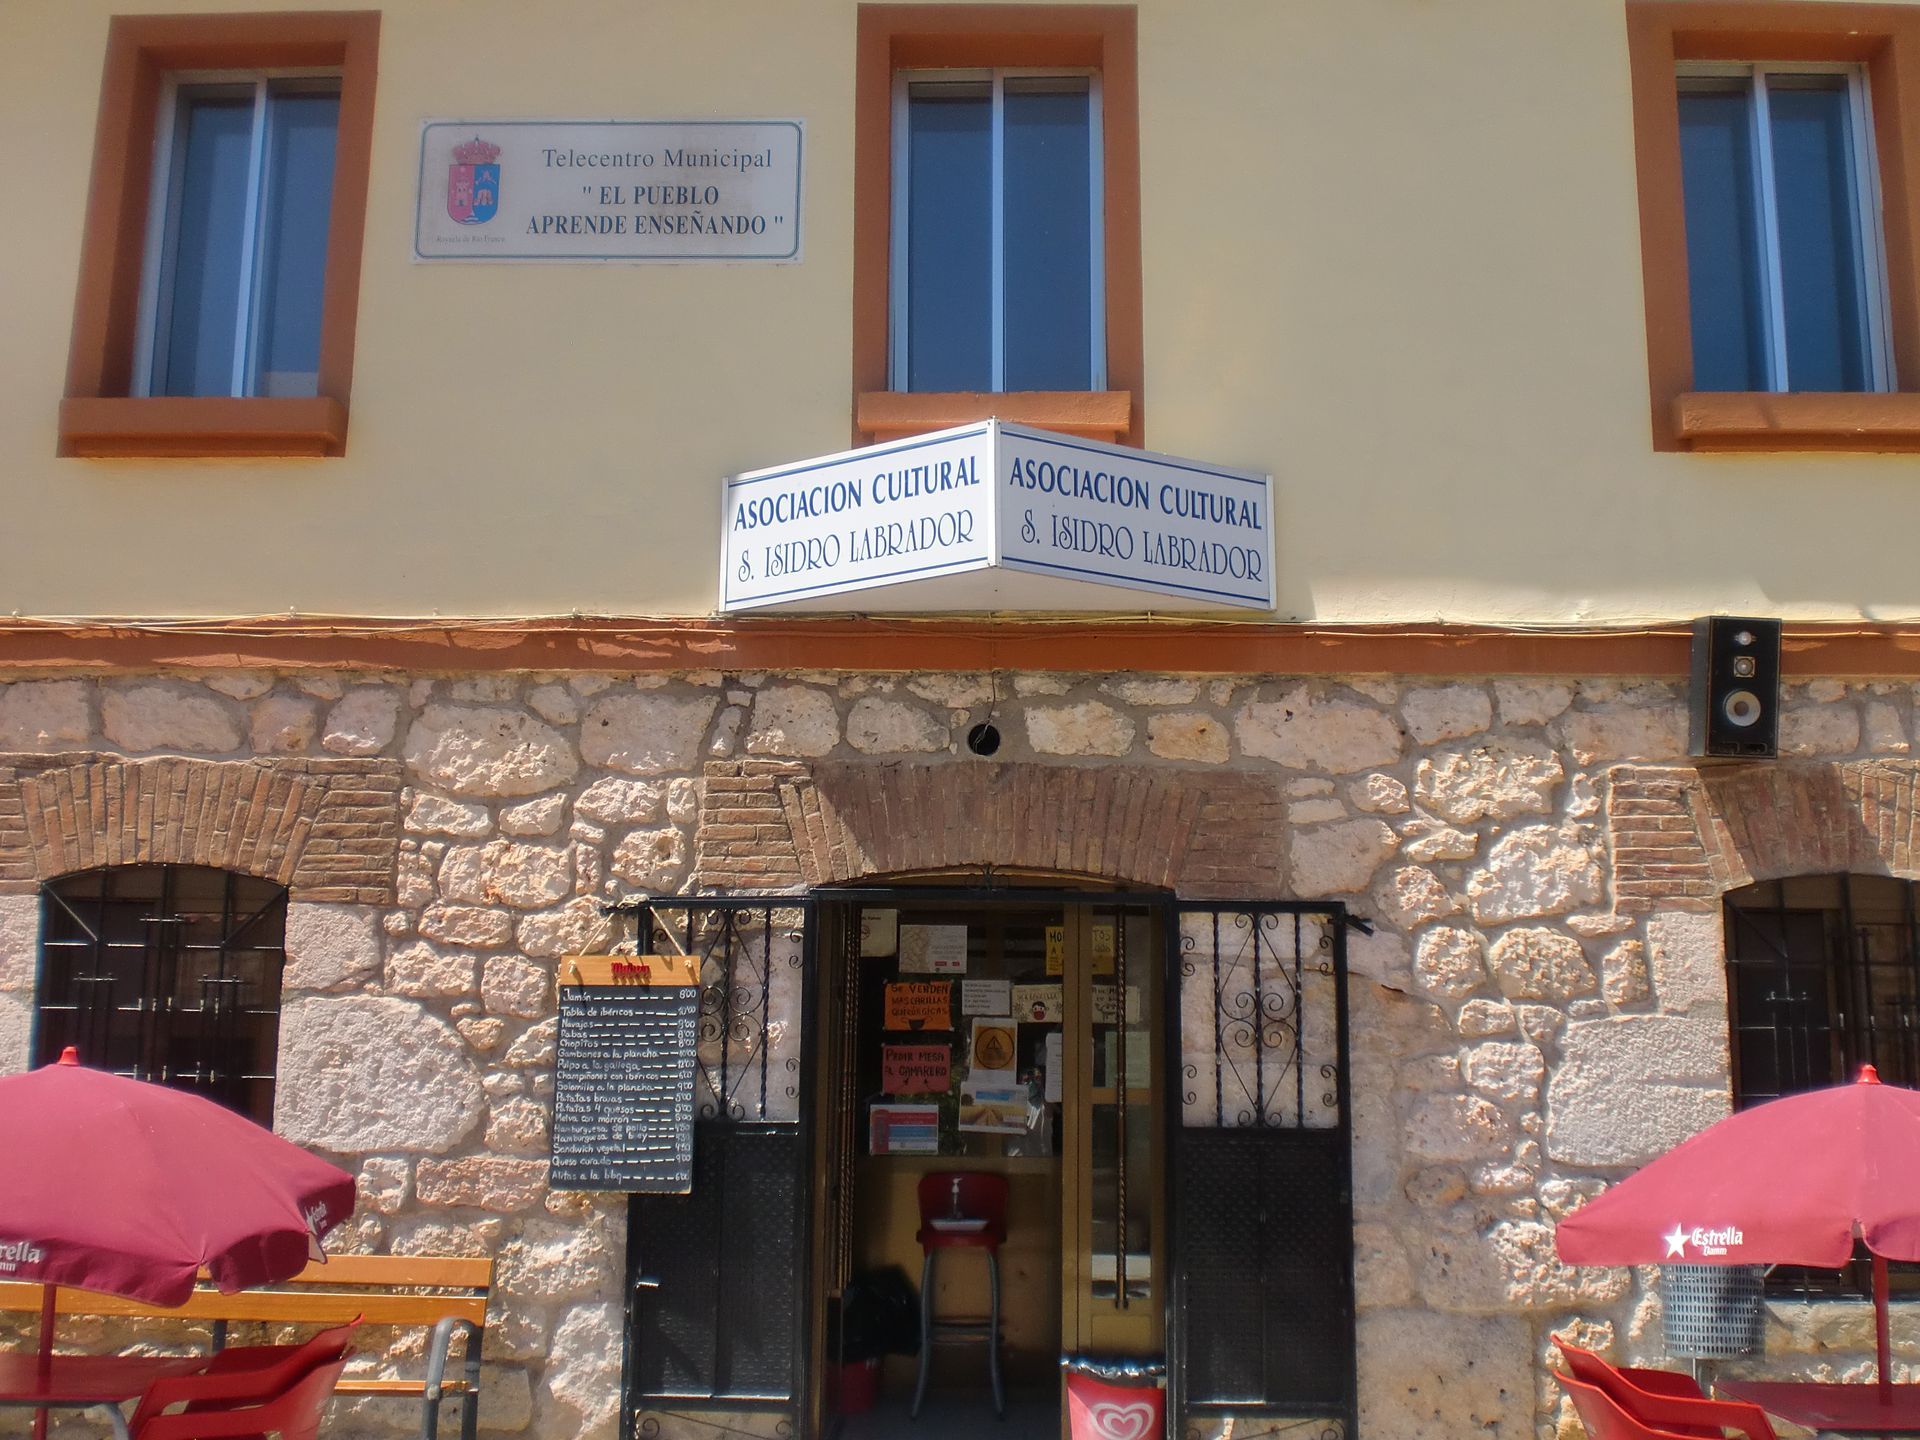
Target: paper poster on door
(1106,1004)
(903,1130)
(879,933)
(933,949)
(994,1109)
(1037,1004)
(916,1069)
(1139,1059)
(1055,1058)
(984,997)
(994,1050)
(919,1005)
(1139,1063)
(1102,948)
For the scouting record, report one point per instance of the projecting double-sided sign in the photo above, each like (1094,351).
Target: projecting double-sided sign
(997,516)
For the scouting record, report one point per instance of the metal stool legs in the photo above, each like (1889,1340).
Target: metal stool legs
(993,1335)
(926,1335)
(927,1326)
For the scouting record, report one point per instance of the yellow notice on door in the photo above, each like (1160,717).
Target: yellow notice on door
(1102,948)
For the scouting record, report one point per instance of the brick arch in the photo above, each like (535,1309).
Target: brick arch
(787,825)
(327,829)
(1682,836)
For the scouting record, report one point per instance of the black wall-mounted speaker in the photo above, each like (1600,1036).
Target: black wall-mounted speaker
(1736,688)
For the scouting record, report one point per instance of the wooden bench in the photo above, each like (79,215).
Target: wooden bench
(449,1293)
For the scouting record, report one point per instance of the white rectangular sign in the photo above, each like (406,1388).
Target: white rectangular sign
(1052,521)
(878,516)
(933,949)
(1117,516)
(611,190)
(984,997)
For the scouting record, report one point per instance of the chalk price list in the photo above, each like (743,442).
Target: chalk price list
(623,1107)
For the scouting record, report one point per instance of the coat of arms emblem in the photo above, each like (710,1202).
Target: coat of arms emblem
(473,182)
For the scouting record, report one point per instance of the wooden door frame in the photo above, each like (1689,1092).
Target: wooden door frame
(833,907)
(1077,1317)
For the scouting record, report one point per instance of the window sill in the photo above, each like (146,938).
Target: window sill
(115,426)
(1090,414)
(1734,420)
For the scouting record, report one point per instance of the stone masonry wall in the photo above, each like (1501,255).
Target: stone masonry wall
(1541,1006)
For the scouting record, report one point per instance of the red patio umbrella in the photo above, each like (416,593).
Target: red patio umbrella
(1792,1182)
(131,1189)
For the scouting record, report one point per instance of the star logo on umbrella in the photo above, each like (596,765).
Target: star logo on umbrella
(1676,1240)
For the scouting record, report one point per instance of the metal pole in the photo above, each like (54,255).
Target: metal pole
(48,1313)
(1882,1348)
(1120,1111)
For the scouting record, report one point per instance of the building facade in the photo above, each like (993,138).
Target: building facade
(380,631)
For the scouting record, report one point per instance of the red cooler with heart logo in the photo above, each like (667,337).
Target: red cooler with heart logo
(1099,1411)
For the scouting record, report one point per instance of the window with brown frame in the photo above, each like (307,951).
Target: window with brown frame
(1775,143)
(220,267)
(1031,318)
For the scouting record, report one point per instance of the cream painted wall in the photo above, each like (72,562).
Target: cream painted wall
(1391,255)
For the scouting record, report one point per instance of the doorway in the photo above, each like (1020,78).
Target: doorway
(1228,1208)
(1017,1034)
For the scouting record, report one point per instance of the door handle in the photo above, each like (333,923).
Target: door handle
(646,1282)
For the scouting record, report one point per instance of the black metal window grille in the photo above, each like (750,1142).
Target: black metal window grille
(167,973)
(1823,976)
(1262,1317)
(718,1278)
(1272,1052)
(752,960)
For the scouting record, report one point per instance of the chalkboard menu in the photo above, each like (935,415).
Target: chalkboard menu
(623,1091)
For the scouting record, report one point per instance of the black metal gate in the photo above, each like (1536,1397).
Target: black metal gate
(717,1279)
(1261,1318)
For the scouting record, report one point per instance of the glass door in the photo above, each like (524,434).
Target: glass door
(941,1002)
(1112,1092)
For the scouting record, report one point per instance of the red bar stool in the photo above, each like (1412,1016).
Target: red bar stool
(961,1210)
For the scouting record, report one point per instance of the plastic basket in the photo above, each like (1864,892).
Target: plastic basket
(858,1387)
(1117,1399)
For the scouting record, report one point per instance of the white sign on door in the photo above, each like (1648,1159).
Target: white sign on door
(609,190)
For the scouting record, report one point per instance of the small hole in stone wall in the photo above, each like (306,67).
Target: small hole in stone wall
(984,738)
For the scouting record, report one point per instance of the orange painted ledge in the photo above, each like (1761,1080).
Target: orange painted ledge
(655,644)
(1734,420)
(1091,414)
(204,426)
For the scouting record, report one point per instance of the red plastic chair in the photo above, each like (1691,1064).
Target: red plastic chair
(1665,1397)
(1605,1418)
(293,1414)
(243,1375)
(961,1210)
(1595,1370)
